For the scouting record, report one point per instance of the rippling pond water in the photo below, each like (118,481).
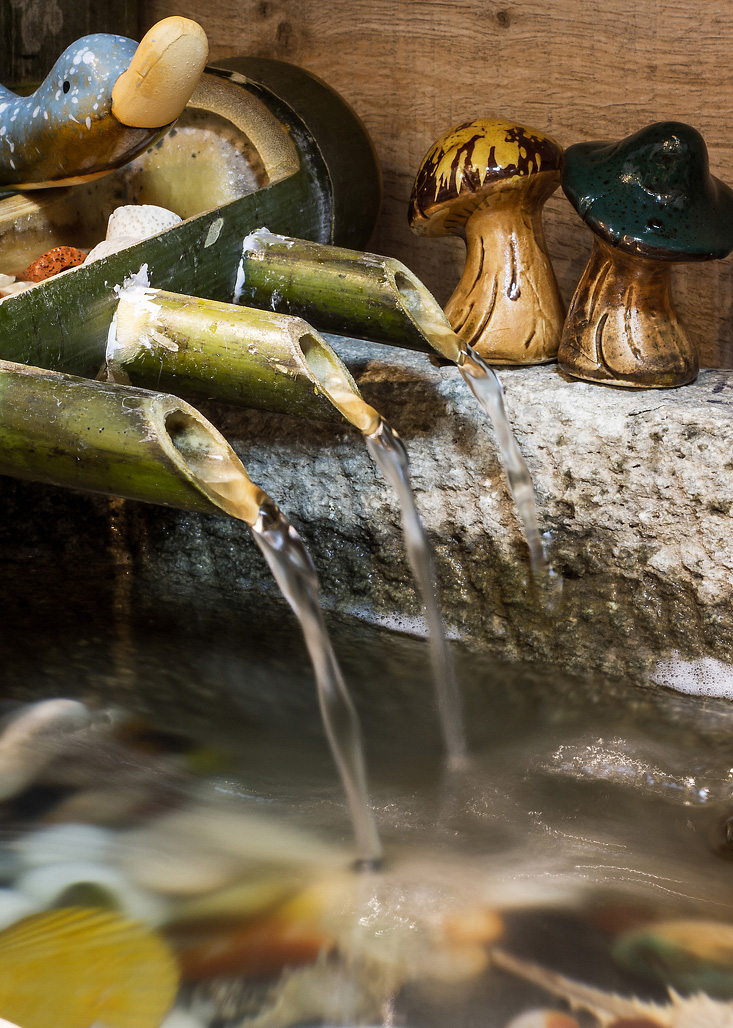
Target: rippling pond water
(588,810)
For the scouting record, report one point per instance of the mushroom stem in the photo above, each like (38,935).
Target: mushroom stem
(507,304)
(622,327)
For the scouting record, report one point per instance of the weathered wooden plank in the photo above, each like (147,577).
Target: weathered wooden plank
(412,68)
(36,32)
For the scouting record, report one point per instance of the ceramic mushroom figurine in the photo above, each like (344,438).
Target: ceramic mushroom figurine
(486,181)
(651,202)
(105,100)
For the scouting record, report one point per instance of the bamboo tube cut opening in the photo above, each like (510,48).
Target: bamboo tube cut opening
(337,384)
(346,291)
(244,355)
(214,465)
(230,99)
(422,307)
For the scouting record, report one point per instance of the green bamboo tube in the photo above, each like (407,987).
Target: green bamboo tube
(319,177)
(203,348)
(113,439)
(344,291)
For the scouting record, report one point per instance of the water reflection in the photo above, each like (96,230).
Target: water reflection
(195,793)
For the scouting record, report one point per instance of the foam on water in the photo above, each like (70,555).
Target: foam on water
(407,624)
(706,676)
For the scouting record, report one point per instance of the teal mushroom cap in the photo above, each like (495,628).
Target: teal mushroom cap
(652,194)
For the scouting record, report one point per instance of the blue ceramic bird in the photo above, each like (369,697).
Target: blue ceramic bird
(105,100)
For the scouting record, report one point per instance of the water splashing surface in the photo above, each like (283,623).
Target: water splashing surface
(388,452)
(294,572)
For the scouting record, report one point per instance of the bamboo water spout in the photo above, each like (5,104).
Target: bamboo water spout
(378,298)
(118,440)
(340,290)
(142,445)
(278,363)
(250,357)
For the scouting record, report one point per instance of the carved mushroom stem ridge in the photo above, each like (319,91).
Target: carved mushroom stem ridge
(622,326)
(507,300)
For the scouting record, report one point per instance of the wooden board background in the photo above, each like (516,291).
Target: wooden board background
(36,32)
(412,68)
(591,70)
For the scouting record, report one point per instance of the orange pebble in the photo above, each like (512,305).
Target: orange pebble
(51,263)
(481,925)
(543,1019)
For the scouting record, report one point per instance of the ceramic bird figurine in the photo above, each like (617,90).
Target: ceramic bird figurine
(105,100)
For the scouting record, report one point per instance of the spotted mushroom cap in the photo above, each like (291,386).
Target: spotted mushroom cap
(652,194)
(471,163)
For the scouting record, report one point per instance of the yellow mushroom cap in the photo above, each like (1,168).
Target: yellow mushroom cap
(467,165)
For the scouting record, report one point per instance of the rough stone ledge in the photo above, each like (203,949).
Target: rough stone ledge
(634,490)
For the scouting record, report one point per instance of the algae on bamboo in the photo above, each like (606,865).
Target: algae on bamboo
(340,290)
(251,357)
(118,440)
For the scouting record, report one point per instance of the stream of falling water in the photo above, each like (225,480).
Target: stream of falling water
(294,572)
(488,391)
(483,382)
(389,454)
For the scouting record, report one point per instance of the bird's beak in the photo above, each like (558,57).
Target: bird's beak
(162,75)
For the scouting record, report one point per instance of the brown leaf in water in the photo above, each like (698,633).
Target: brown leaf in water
(259,946)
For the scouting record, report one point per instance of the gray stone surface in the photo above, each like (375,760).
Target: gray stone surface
(634,491)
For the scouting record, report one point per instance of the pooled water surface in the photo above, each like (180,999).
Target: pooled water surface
(588,809)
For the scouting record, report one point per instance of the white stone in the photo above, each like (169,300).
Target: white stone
(45,885)
(131,224)
(141,220)
(32,737)
(63,843)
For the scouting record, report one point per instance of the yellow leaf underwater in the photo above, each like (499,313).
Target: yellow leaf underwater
(73,967)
